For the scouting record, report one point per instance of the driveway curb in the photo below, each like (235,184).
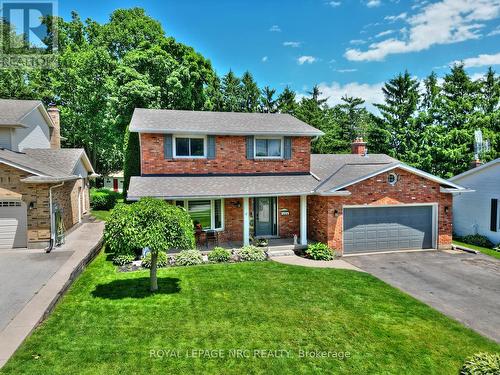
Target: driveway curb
(87,241)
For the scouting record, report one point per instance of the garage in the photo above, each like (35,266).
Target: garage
(13,224)
(388,228)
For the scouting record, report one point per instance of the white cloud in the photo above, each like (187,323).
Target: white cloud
(292,44)
(373,3)
(495,31)
(306,59)
(275,28)
(370,93)
(334,4)
(357,41)
(400,16)
(480,60)
(345,70)
(384,33)
(264,59)
(444,22)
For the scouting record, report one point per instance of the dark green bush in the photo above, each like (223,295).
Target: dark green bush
(162,260)
(481,364)
(103,199)
(251,254)
(478,240)
(188,258)
(118,230)
(123,259)
(219,255)
(319,251)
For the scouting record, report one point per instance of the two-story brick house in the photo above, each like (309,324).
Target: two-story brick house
(44,189)
(252,174)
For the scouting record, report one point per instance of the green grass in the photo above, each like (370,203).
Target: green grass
(100,214)
(109,323)
(483,250)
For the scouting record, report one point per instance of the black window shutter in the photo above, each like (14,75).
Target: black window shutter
(211,147)
(250,154)
(494,215)
(168,146)
(287,154)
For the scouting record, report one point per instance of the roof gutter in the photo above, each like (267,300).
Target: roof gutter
(179,197)
(200,132)
(52,221)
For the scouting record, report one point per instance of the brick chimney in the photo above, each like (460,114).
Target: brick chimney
(475,163)
(358,147)
(55,134)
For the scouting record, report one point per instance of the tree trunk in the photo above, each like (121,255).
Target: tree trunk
(152,272)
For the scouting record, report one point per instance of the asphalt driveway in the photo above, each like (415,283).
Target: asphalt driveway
(22,274)
(463,286)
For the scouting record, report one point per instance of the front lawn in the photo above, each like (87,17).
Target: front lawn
(101,214)
(483,250)
(109,323)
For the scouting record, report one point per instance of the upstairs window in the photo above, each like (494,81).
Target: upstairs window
(270,148)
(189,147)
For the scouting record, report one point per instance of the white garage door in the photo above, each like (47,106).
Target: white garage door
(13,224)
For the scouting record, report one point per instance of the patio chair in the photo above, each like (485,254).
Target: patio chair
(212,236)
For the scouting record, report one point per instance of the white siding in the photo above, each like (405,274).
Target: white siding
(5,138)
(472,211)
(36,135)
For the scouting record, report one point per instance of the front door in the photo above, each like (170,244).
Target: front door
(265,216)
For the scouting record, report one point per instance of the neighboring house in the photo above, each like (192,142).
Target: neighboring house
(478,212)
(44,190)
(114,181)
(252,174)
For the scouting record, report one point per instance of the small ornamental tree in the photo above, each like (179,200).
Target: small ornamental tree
(150,223)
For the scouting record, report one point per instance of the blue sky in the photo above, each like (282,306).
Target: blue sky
(346,46)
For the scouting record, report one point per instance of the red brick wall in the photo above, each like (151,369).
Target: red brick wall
(289,225)
(325,227)
(230,158)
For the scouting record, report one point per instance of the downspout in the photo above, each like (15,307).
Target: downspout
(52,224)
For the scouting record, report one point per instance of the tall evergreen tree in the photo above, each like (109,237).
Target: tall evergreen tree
(250,93)
(267,101)
(231,92)
(286,101)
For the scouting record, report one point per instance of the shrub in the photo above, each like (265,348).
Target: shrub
(251,254)
(319,251)
(162,260)
(122,259)
(188,258)
(481,363)
(118,230)
(103,199)
(478,240)
(219,255)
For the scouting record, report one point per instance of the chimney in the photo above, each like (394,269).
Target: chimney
(476,163)
(55,134)
(359,147)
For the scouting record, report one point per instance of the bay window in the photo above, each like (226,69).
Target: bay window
(208,213)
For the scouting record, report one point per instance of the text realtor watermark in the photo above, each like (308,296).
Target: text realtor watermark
(246,353)
(31,40)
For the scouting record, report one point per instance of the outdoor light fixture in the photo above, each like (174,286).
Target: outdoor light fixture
(32,205)
(236,204)
(335,213)
(446,209)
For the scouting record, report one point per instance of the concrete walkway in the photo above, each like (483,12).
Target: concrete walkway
(83,244)
(299,261)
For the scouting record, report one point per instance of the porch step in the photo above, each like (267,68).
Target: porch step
(280,251)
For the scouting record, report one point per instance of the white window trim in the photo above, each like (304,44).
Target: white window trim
(212,211)
(268,157)
(204,137)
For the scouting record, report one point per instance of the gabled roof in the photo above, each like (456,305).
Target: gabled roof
(47,165)
(337,172)
(475,170)
(13,111)
(218,123)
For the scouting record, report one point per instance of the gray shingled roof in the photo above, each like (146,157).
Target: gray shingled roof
(63,159)
(12,110)
(218,123)
(324,165)
(46,165)
(220,186)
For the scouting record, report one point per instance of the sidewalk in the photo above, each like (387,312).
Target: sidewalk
(85,241)
(299,261)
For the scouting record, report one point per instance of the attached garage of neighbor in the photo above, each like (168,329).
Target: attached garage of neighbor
(13,224)
(388,228)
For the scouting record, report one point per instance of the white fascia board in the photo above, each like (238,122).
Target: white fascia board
(454,191)
(229,196)
(239,133)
